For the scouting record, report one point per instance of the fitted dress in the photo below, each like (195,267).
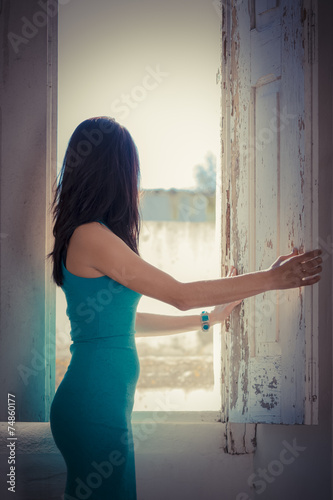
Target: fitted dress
(90,415)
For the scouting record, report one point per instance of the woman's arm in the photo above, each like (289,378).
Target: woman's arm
(148,325)
(107,253)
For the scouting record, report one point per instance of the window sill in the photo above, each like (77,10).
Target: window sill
(176,417)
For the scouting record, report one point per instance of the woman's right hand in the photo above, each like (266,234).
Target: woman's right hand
(295,270)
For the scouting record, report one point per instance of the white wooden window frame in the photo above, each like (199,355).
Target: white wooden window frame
(232,353)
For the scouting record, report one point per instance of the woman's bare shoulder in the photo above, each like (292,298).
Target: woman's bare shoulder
(103,251)
(85,236)
(90,229)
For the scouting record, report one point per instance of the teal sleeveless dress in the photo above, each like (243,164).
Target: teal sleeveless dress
(90,415)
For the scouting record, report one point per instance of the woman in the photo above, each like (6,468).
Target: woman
(97,264)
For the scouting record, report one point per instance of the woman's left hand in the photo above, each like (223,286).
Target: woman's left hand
(223,311)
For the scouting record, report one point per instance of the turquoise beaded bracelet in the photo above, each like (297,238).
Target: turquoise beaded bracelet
(204,321)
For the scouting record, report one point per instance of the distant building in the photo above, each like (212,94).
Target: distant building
(180,205)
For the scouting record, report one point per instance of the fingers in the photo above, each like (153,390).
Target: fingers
(312,265)
(315,270)
(301,269)
(308,270)
(237,302)
(309,267)
(303,257)
(232,271)
(310,281)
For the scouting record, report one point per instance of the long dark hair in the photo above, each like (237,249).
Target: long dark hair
(99,180)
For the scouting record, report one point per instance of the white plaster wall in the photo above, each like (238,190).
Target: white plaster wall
(28,143)
(178,461)
(186,461)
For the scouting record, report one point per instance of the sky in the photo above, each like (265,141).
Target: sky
(152,65)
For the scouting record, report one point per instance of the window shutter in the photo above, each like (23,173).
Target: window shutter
(269,203)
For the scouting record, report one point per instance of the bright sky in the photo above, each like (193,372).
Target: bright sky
(151,64)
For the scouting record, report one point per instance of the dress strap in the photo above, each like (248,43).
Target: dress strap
(101,222)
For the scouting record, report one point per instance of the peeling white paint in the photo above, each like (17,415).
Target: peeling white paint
(269,185)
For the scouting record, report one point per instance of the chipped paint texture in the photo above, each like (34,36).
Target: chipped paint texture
(266,207)
(240,438)
(265,388)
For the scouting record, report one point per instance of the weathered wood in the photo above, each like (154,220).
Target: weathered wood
(269,205)
(240,438)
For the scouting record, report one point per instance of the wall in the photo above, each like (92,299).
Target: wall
(28,69)
(180,461)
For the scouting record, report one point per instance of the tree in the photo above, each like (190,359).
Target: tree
(205,175)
